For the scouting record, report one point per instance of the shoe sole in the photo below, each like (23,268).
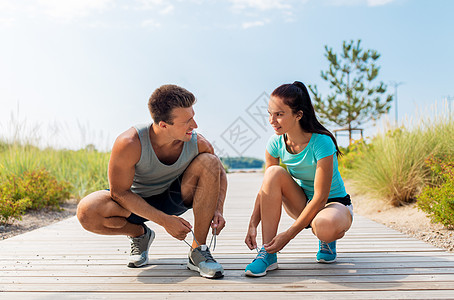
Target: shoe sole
(133,265)
(322,261)
(270,268)
(192,267)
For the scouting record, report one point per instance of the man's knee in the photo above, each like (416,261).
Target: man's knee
(206,163)
(88,209)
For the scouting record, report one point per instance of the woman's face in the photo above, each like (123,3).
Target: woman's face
(281,117)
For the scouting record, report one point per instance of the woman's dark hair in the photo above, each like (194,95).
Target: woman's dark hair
(296,96)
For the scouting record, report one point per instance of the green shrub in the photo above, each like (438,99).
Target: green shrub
(12,209)
(85,169)
(438,200)
(353,153)
(39,187)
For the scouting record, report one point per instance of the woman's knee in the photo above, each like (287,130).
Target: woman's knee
(274,173)
(330,225)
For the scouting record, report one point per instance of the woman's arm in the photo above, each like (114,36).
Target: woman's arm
(255,217)
(322,186)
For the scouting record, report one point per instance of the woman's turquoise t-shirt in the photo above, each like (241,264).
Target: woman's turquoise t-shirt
(302,166)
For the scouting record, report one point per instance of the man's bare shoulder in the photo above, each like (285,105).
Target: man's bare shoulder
(204,145)
(128,143)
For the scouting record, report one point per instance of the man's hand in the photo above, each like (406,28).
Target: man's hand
(278,242)
(251,237)
(177,227)
(218,223)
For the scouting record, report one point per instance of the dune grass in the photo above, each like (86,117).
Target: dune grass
(85,170)
(392,166)
(34,178)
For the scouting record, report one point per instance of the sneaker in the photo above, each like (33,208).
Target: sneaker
(326,252)
(200,260)
(139,248)
(262,263)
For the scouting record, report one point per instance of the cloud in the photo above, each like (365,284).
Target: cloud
(150,23)
(260,4)
(70,9)
(168,9)
(359,2)
(247,25)
(378,2)
(65,10)
(6,22)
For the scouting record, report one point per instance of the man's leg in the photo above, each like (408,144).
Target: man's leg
(203,184)
(98,213)
(204,187)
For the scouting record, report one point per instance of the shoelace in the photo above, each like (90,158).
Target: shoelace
(325,247)
(135,247)
(207,254)
(198,245)
(261,254)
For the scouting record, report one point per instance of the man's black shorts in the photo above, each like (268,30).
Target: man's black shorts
(169,202)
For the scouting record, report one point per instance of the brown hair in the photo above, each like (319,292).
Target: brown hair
(167,97)
(297,98)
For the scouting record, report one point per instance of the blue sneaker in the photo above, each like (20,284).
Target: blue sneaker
(326,252)
(262,263)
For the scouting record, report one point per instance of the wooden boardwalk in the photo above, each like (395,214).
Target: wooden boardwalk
(62,261)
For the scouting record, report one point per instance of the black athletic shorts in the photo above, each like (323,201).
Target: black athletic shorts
(169,202)
(343,200)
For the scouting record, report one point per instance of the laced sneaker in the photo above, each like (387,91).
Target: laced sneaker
(200,260)
(139,248)
(262,263)
(326,252)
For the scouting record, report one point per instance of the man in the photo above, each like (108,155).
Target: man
(156,172)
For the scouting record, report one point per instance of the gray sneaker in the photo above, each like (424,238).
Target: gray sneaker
(139,248)
(200,260)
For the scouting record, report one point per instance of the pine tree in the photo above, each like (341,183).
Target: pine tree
(355,98)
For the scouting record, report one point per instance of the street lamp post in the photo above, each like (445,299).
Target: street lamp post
(396,84)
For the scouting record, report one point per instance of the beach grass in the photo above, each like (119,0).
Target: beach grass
(392,165)
(85,169)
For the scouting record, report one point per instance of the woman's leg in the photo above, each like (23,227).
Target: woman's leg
(278,188)
(331,222)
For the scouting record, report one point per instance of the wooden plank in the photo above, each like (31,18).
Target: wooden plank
(220,287)
(63,260)
(363,295)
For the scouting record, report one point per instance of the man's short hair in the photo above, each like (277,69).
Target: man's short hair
(167,97)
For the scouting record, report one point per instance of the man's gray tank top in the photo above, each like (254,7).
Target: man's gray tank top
(152,177)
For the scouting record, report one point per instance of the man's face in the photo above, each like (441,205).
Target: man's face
(183,123)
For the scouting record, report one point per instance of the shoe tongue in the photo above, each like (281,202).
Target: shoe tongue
(203,247)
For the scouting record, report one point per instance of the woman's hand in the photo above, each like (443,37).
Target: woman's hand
(251,237)
(278,242)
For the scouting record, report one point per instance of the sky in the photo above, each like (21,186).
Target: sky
(79,72)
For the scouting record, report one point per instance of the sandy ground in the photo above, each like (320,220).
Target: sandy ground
(408,219)
(36,219)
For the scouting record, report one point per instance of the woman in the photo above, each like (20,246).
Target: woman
(311,191)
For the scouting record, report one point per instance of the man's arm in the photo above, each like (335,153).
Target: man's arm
(125,154)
